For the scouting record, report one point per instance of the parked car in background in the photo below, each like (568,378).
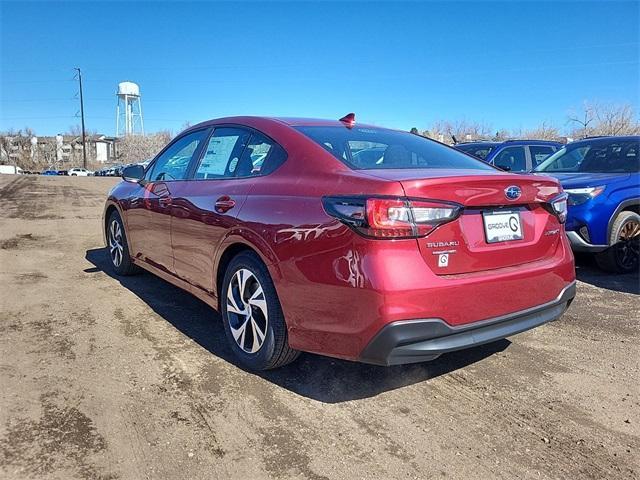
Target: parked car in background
(10,170)
(146,162)
(511,155)
(602,180)
(63,172)
(50,172)
(114,171)
(275,224)
(80,172)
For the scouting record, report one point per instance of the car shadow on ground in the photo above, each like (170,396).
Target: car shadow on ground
(588,271)
(313,376)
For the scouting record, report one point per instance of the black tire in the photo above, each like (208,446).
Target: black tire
(125,266)
(274,350)
(622,255)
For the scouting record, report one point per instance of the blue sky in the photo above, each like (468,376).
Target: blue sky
(511,64)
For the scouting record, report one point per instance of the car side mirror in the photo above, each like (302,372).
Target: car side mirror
(133,173)
(504,167)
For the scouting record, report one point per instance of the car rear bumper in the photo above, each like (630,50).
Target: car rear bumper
(411,341)
(579,244)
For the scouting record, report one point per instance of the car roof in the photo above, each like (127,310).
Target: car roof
(511,142)
(250,121)
(528,141)
(607,139)
(478,143)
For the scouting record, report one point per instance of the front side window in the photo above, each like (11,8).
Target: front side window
(512,159)
(539,153)
(601,157)
(375,148)
(238,153)
(173,163)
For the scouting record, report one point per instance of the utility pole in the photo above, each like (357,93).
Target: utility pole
(84,142)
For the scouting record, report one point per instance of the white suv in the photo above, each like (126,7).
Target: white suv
(79,172)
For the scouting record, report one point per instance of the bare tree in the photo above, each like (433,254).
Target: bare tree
(581,120)
(616,120)
(76,131)
(138,148)
(16,148)
(604,119)
(5,148)
(502,135)
(446,130)
(544,131)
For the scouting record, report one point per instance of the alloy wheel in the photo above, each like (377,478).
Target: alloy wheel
(247,311)
(116,248)
(628,245)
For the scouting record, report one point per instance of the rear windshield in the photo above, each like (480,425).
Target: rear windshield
(372,149)
(617,156)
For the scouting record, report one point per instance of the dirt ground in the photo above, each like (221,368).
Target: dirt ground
(130,378)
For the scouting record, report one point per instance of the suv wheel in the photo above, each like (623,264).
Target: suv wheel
(118,247)
(623,255)
(252,315)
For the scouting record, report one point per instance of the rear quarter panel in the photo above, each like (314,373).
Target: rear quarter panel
(318,264)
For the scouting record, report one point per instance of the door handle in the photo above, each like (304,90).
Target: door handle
(224,203)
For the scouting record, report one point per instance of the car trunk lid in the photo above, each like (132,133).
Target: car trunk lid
(475,241)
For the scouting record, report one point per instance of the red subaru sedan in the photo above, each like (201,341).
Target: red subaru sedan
(347,240)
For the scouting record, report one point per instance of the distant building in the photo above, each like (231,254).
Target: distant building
(57,151)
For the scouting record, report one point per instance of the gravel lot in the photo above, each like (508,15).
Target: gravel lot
(130,378)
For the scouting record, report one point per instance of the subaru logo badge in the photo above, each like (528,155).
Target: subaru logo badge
(512,192)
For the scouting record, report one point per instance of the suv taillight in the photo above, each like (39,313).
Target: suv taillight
(391,217)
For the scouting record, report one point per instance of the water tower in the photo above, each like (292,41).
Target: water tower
(129,110)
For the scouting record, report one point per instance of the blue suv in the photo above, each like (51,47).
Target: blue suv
(602,180)
(512,155)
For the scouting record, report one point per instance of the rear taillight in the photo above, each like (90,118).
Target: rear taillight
(558,206)
(391,217)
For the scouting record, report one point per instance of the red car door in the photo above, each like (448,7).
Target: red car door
(151,224)
(208,207)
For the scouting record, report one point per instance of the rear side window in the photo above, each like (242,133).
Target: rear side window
(222,156)
(374,148)
(262,156)
(539,153)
